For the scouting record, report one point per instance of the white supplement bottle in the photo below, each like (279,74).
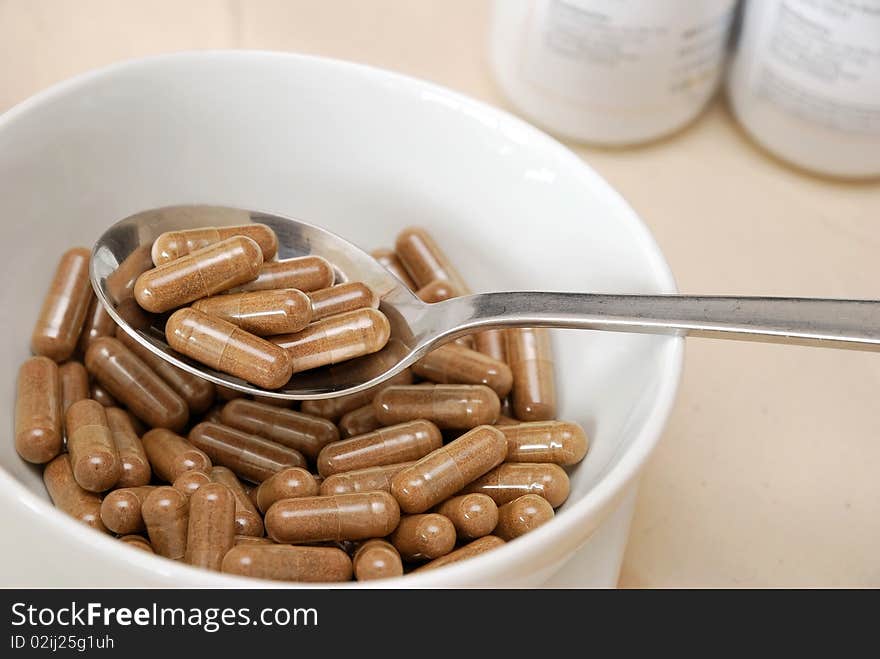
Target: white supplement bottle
(610,71)
(805,83)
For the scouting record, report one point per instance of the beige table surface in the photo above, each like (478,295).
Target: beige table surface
(769,470)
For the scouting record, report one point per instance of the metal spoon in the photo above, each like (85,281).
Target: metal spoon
(123,252)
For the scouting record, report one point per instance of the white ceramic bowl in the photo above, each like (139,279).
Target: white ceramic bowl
(363,152)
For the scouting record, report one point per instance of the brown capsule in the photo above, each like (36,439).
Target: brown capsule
(561,442)
(132,457)
(424,261)
(74,384)
(170,454)
(211,528)
(252,493)
(341,299)
(247,519)
(128,379)
(93,454)
(166,516)
(138,542)
(102,396)
(64,308)
(437,291)
(38,413)
(190,481)
(97,323)
(389,260)
(376,559)
(252,540)
(120,282)
(444,472)
(530,356)
(472,515)
(305,273)
(523,514)
(342,517)
(263,313)
(172,245)
(202,273)
(372,479)
(465,342)
(130,311)
(286,563)
(358,422)
(227,393)
(492,343)
(213,415)
(450,406)
(336,339)
(250,457)
(289,483)
(512,480)
(423,537)
(68,496)
(302,432)
(334,408)
(392,445)
(475,548)
(274,402)
(137,424)
(198,394)
(227,348)
(455,364)
(121,509)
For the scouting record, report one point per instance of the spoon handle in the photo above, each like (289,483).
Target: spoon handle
(851,324)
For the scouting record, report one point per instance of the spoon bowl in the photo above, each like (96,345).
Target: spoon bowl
(122,253)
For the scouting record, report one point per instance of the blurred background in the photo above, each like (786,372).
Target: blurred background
(767,472)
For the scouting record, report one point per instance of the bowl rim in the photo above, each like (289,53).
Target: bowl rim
(611,485)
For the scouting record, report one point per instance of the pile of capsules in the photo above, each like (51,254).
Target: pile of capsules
(447,460)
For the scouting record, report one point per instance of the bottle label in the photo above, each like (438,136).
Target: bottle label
(627,56)
(821,62)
